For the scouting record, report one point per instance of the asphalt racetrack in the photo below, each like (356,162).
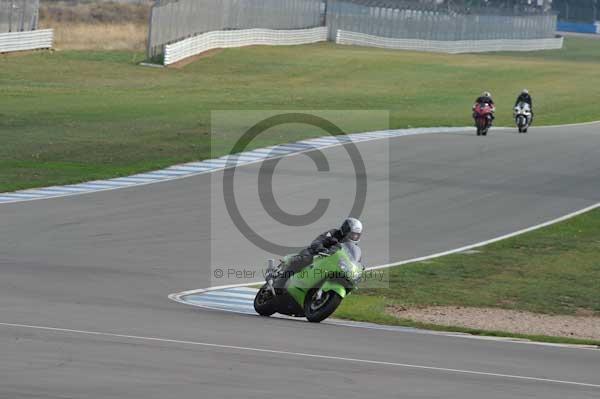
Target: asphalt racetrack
(84,280)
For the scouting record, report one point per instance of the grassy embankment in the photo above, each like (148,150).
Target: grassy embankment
(71,116)
(553,271)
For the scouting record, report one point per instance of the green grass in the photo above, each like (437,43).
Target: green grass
(555,270)
(73,116)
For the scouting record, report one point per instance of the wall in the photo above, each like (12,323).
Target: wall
(21,41)
(238,38)
(444,46)
(578,27)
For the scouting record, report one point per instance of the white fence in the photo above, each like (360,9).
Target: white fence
(21,41)
(249,37)
(174,20)
(239,38)
(452,47)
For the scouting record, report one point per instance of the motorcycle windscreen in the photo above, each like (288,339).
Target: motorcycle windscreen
(354,252)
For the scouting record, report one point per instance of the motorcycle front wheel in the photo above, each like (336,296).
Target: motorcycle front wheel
(521,124)
(263,302)
(318,309)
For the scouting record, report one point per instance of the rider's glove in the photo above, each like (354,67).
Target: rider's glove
(331,241)
(315,249)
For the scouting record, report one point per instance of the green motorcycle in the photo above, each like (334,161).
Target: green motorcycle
(316,291)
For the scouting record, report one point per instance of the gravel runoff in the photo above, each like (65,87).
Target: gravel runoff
(584,326)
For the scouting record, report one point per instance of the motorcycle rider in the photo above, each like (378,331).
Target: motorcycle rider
(525,97)
(485,98)
(351,230)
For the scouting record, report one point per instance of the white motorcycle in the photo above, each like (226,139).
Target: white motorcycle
(522,114)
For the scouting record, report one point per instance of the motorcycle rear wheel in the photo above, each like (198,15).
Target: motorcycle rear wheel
(317,310)
(263,302)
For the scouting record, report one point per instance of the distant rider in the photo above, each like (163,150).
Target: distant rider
(351,230)
(525,97)
(485,98)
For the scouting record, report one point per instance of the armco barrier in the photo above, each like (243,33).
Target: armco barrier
(21,41)
(239,38)
(452,47)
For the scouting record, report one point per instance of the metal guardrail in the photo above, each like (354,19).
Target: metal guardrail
(22,41)
(238,38)
(445,46)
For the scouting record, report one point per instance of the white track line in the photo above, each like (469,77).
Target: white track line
(158,176)
(177,296)
(249,310)
(219,164)
(492,240)
(306,355)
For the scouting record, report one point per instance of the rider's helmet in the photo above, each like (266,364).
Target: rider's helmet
(525,91)
(486,94)
(352,229)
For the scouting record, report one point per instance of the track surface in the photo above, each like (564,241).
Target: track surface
(106,262)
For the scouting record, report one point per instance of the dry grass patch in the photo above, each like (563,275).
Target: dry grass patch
(94,12)
(97,26)
(513,321)
(83,36)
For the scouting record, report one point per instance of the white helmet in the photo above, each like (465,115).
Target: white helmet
(486,94)
(525,91)
(352,229)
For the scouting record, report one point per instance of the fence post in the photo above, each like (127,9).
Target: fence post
(10,13)
(36,16)
(149,44)
(331,17)
(23,9)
